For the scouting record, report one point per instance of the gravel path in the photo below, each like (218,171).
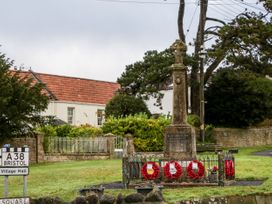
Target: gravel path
(267,153)
(248,183)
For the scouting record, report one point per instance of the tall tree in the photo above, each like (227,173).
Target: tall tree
(122,105)
(238,98)
(144,78)
(246,39)
(21,102)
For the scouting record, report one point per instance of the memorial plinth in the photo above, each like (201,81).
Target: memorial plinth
(179,142)
(179,137)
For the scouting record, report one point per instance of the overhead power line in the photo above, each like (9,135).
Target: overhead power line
(191,22)
(165,2)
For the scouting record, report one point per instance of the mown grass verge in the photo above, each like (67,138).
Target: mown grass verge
(66,178)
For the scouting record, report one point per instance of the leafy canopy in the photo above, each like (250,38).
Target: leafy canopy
(21,102)
(238,98)
(144,78)
(244,43)
(122,105)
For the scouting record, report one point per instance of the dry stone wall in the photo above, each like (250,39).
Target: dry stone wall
(250,137)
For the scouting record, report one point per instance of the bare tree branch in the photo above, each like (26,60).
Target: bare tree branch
(216,20)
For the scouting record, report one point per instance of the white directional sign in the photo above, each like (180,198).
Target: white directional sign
(14,171)
(15,157)
(14,201)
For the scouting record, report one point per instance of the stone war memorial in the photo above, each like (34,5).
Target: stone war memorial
(178,165)
(179,139)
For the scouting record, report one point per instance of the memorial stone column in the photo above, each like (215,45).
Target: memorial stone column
(179,137)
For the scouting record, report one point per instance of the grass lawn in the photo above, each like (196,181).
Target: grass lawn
(66,178)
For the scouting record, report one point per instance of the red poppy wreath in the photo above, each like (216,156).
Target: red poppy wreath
(229,168)
(150,170)
(172,170)
(195,174)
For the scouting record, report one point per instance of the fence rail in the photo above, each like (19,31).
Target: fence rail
(77,145)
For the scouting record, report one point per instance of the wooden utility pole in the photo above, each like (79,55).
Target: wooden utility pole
(201,56)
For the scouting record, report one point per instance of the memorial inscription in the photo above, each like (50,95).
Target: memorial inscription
(177,142)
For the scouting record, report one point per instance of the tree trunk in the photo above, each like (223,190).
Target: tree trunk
(195,83)
(180,20)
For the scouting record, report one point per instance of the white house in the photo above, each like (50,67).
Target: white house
(166,102)
(75,100)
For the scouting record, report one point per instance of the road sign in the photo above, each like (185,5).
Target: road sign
(14,201)
(15,157)
(14,171)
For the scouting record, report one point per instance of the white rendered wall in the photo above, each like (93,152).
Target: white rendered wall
(83,113)
(167,102)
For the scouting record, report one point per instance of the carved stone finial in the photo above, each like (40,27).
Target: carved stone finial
(179,48)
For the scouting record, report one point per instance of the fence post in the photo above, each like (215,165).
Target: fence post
(40,152)
(221,166)
(110,144)
(130,145)
(125,170)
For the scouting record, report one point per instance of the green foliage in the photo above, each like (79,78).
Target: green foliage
(248,43)
(145,78)
(47,130)
(238,98)
(193,120)
(70,131)
(122,105)
(209,133)
(63,130)
(21,101)
(84,131)
(147,132)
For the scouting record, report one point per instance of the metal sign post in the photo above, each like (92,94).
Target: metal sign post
(25,186)
(6,187)
(14,162)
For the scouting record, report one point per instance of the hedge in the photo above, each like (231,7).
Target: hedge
(70,131)
(147,132)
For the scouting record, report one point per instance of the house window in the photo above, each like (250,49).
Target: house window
(100,116)
(70,115)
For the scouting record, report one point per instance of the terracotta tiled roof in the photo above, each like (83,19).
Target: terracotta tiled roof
(72,89)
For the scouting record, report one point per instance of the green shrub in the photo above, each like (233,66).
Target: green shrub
(209,134)
(70,131)
(193,120)
(47,131)
(63,130)
(84,131)
(147,132)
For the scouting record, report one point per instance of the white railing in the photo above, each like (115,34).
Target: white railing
(77,145)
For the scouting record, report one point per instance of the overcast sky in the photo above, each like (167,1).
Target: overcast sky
(94,39)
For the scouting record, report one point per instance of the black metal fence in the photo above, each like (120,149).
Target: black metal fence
(213,168)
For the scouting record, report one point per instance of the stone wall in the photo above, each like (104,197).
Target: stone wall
(250,137)
(35,147)
(250,199)
(57,157)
